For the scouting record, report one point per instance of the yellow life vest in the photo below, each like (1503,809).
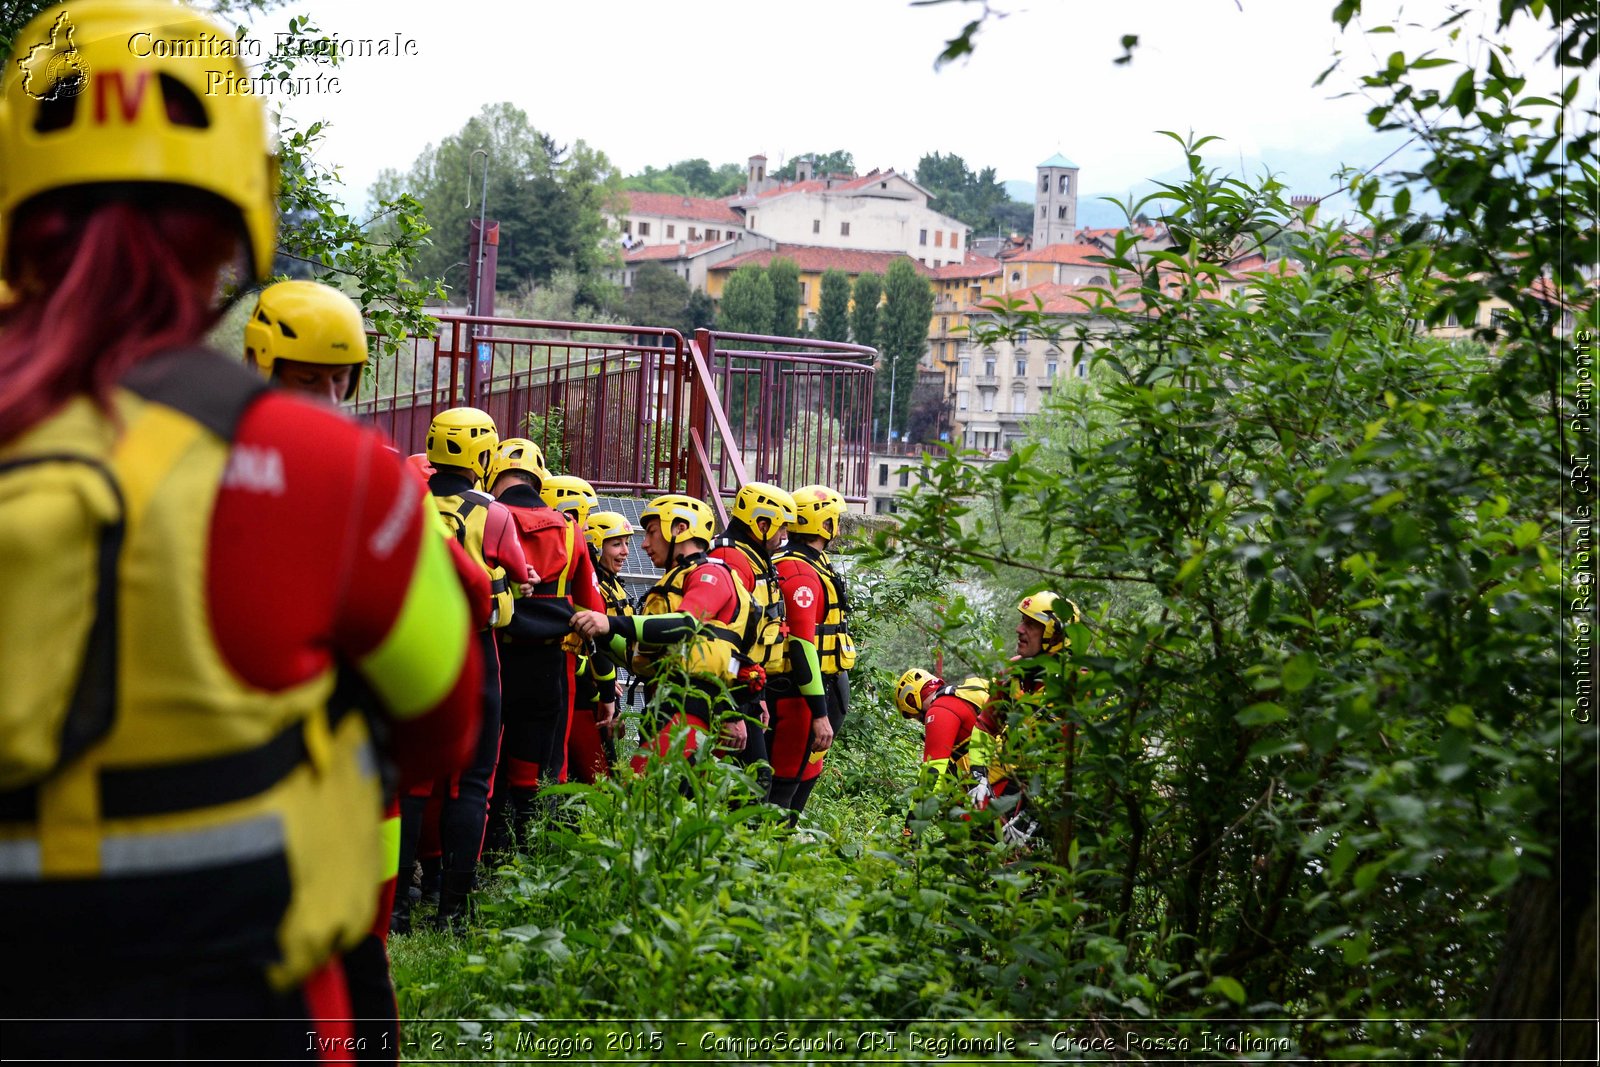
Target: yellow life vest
(467,514)
(614,593)
(237,824)
(766,638)
(836,649)
(714,649)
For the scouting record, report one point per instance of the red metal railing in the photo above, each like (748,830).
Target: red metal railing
(799,411)
(640,409)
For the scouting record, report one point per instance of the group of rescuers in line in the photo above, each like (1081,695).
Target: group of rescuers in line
(235,624)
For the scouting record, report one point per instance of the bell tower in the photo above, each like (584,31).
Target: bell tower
(1055,217)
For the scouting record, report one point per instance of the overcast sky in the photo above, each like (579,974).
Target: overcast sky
(655,81)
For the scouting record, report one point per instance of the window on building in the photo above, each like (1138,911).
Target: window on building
(1016,275)
(1022,337)
(880,505)
(883,474)
(1043,211)
(644,229)
(670,228)
(922,237)
(955,239)
(804,288)
(694,234)
(961,400)
(1061,212)
(905,476)
(1050,368)
(1022,366)
(752,222)
(938,263)
(1066,184)
(627,225)
(944,323)
(1044,184)
(844,229)
(1499,318)
(938,238)
(1019,403)
(816,225)
(1083,368)
(966,366)
(988,367)
(988,400)
(713,235)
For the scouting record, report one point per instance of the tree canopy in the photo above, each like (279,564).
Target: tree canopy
(553,202)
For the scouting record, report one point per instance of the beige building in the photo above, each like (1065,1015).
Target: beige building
(876,212)
(667,219)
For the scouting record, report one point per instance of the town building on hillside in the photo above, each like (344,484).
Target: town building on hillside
(877,212)
(691,262)
(813,262)
(667,219)
(997,386)
(956,288)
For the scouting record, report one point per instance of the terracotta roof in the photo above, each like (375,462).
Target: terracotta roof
(821,185)
(645,253)
(673,206)
(1087,255)
(976,266)
(816,259)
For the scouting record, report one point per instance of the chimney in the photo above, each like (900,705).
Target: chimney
(802,169)
(756,174)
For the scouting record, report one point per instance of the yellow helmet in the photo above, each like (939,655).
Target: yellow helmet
(517,454)
(602,526)
(675,507)
(100,92)
(817,510)
(307,322)
(571,494)
(908,691)
(1054,613)
(462,437)
(759,500)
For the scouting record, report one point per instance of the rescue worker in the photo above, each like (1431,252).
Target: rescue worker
(538,673)
(948,714)
(1043,619)
(821,650)
(688,628)
(596,705)
(758,522)
(174,725)
(460,445)
(308,338)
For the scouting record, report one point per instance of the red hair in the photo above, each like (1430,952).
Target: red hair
(101,284)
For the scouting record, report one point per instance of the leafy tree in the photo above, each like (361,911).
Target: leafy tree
(659,297)
(690,177)
(701,312)
(836,162)
(785,279)
(833,318)
(747,304)
(551,201)
(978,199)
(902,338)
(865,298)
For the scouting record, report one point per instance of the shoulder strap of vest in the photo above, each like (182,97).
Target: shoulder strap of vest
(572,561)
(199,383)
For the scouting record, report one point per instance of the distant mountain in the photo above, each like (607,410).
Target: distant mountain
(1019,190)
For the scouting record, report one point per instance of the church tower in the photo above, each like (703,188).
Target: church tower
(1055,217)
